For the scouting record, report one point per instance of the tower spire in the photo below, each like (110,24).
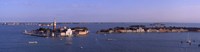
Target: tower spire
(54,25)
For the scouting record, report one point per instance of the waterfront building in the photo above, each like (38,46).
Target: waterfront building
(80,30)
(69,32)
(175,30)
(62,34)
(121,30)
(152,30)
(164,30)
(110,31)
(84,32)
(140,29)
(134,29)
(129,30)
(184,30)
(179,30)
(66,33)
(198,30)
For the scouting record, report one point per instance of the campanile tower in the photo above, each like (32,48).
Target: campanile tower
(54,25)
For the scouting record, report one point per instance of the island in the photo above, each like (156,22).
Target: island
(58,32)
(156,27)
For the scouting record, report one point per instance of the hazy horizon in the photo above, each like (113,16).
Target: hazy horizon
(174,11)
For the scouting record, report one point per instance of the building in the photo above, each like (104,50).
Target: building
(152,30)
(140,29)
(54,25)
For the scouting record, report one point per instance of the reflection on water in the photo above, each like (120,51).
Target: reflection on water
(69,41)
(81,35)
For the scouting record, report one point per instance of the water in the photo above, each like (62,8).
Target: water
(13,40)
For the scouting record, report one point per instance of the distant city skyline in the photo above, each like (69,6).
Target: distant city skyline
(181,11)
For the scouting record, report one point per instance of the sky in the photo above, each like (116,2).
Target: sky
(182,11)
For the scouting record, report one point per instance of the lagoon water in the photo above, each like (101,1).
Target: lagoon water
(13,40)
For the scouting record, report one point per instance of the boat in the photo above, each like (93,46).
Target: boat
(32,42)
(188,40)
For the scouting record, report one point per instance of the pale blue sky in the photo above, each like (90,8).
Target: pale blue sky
(186,11)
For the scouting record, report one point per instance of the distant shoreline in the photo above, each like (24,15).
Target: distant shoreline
(101,22)
(49,23)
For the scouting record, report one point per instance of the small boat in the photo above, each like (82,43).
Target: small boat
(110,39)
(32,42)
(188,40)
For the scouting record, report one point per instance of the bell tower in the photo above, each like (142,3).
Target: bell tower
(54,25)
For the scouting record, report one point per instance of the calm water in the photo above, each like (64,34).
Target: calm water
(13,40)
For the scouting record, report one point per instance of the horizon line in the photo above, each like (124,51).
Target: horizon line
(100,22)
